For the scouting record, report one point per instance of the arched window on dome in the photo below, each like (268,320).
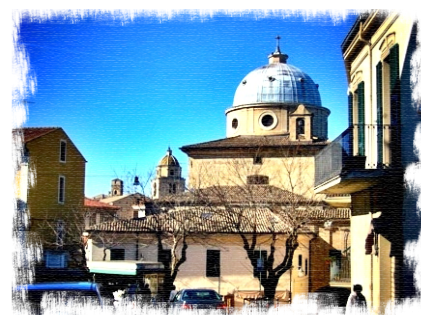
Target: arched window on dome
(300,127)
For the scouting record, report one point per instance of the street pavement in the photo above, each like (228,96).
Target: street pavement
(162,319)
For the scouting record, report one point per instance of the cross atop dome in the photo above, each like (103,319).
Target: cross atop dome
(278,44)
(277,56)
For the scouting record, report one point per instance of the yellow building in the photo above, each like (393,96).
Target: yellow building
(50,188)
(369,159)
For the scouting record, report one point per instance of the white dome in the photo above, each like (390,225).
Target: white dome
(277,83)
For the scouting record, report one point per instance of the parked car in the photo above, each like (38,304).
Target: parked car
(61,297)
(45,317)
(203,300)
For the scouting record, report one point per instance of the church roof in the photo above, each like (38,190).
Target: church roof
(253,142)
(277,82)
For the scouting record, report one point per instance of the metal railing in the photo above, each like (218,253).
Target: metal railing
(349,150)
(343,266)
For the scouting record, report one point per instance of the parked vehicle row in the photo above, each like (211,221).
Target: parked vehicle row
(53,302)
(206,300)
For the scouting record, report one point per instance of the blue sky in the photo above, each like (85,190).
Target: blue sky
(126,90)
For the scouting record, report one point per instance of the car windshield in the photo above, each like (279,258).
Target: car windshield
(200,295)
(64,302)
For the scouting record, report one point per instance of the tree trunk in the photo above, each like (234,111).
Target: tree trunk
(270,288)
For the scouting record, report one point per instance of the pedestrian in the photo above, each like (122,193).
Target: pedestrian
(173,292)
(356,303)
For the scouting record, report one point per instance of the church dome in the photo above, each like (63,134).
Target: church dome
(169,160)
(277,82)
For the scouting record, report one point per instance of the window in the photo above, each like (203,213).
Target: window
(260,258)
(172,188)
(135,213)
(306,266)
(258,180)
(235,123)
(117,254)
(60,233)
(62,180)
(388,108)
(268,120)
(359,94)
(257,160)
(164,256)
(212,263)
(299,261)
(300,127)
(62,151)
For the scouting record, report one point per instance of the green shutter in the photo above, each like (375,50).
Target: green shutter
(379,121)
(394,82)
(361,119)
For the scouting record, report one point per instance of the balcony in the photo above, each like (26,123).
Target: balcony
(340,168)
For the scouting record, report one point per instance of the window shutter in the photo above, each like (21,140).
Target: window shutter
(361,119)
(379,121)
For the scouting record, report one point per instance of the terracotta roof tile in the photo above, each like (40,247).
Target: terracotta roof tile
(31,133)
(198,220)
(90,203)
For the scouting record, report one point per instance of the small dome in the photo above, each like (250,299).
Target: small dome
(169,160)
(277,83)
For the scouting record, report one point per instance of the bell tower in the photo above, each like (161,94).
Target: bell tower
(168,180)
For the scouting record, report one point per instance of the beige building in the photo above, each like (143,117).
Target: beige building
(275,128)
(369,159)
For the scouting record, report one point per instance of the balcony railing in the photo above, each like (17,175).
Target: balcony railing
(348,151)
(340,267)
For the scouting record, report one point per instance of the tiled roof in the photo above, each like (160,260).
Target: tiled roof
(31,133)
(234,195)
(244,141)
(199,220)
(90,203)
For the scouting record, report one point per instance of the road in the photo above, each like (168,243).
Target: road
(162,319)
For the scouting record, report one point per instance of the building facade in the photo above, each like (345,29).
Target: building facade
(368,161)
(50,193)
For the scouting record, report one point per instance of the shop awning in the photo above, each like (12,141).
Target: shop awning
(128,268)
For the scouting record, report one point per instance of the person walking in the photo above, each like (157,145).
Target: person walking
(173,292)
(356,303)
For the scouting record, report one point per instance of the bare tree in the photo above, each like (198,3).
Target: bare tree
(65,233)
(263,215)
(70,233)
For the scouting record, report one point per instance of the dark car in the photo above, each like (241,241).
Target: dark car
(60,297)
(45,317)
(330,299)
(204,300)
